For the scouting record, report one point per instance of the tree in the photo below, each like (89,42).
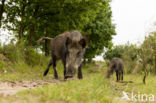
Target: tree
(148,55)
(16,17)
(32,19)
(116,51)
(128,52)
(1,11)
(100,31)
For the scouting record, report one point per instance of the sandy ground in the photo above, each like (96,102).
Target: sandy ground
(9,88)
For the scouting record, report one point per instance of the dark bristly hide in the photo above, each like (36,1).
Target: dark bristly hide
(116,65)
(70,48)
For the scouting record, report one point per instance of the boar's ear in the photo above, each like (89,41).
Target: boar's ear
(68,41)
(83,42)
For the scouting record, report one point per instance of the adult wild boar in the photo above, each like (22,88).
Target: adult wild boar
(116,65)
(70,48)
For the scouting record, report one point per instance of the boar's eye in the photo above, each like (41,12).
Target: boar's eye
(79,53)
(83,43)
(68,41)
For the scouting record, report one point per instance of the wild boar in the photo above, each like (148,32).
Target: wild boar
(70,48)
(116,65)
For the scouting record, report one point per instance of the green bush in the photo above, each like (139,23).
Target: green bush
(21,53)
(14,52)
(136,59)
(129,54)
(116,51)
(32,57)
(147,54)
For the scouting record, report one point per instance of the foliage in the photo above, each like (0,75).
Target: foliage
(129,54)
(33,57)
(100,31)
(2,5)
(20,53)
(147,53)
(130,57)
(32,19)
(13,53)
(136,59)
(116,51)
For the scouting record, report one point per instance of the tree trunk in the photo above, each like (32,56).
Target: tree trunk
(31,34)
(1,11)
(46,48)
(32,27)
(21,30)
(22,25)
(145,73)
(144,79)
(155,64)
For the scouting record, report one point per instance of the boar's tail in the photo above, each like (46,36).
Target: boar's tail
(42,39)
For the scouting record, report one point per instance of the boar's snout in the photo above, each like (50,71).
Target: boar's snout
(68,76)
(70,73)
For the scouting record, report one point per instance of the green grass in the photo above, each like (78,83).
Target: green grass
(94,88)
(22,71)
(78,91)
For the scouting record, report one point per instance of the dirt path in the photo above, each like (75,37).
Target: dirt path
(9,88)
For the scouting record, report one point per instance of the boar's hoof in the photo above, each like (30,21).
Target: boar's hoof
(80,77)
(56,76)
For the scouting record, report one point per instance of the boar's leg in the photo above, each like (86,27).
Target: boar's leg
(117,76)
(54,67)
(122,75)
(47,69)
(65,71)
(64,64)
(80,73)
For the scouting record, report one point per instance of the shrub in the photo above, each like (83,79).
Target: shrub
(32,57)
(22,53)
(116,51)
(147,53)
(129,54)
